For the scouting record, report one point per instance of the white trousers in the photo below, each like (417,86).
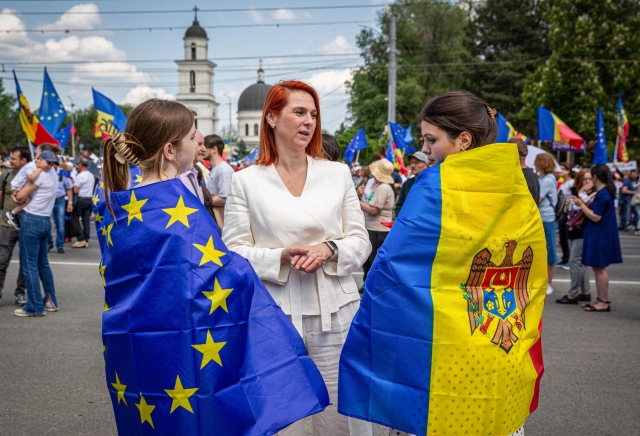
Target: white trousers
(324,348)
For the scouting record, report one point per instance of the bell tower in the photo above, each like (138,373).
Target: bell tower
(195,79)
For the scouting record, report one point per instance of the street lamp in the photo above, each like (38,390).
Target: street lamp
(73,128)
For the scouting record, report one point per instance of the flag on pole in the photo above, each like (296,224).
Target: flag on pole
(193,342)
(52,112)
(408,137)
(390,155)
(36,133)
(358,142)
(600,152)
(398,133)
(63,136)
(505,129)
(552,128)
(251,157)
(463,345)
(111,119)
(623,132)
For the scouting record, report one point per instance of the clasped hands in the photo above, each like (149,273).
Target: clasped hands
(307,259)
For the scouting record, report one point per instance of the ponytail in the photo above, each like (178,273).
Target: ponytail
(603,173)
(118,154)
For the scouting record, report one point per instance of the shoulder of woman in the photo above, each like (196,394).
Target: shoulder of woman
(328,167)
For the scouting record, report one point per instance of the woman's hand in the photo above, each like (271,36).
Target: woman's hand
(360,190)
(577,201)
(314,258)
(291,255)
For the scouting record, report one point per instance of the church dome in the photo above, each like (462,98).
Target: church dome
(195,31)
(252,98)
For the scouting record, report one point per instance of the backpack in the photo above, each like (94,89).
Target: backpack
(560,213)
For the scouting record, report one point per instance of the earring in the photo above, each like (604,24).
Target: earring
(176,161)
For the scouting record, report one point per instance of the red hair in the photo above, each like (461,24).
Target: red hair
(276,100)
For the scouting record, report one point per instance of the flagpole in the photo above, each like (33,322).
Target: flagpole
(30,149)
(358,157)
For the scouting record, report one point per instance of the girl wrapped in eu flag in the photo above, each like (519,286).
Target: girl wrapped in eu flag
(193,342)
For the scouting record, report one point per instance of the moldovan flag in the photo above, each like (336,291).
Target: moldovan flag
(552,128)
(505,129)
(193,342)
(36,133)
(447,338)
(623,133)
(111,119)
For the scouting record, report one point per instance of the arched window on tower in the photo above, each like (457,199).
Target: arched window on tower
(246,130)
(193,51)
(196,118)
(192,81)
(255,129)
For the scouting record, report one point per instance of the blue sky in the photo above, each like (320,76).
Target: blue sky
(289,52)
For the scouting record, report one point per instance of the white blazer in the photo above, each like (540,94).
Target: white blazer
(262,218)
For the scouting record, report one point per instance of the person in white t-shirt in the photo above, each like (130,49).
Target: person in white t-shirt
(83,185)
(35,227)
(219,182)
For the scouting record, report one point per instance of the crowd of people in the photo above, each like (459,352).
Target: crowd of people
(305,223)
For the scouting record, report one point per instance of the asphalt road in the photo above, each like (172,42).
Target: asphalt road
(52,369)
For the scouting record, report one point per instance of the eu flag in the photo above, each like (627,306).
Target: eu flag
(193,342)
(63,136)
(398,133)
(600,152)
(358,142)
(52,112)
(390,155)
(447,337)
(100,206)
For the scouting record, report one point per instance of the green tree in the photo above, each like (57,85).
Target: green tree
(507,40)
(10,129)
(430,38)
(595,51)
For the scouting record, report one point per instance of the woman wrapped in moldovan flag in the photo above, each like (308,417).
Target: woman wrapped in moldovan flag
(447,338)
(193,342)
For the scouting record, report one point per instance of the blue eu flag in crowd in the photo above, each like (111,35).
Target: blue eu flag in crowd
(193,342)
(63,136)
(600,152)
(390,155)
(52,112)
(398,133)
(358,142)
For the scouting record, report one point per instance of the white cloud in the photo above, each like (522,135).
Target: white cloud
(92,73)
(19,45)
(327,81)
(75,20)
(307,15)
(338,45)
(255,16)
(144,92)
(283,14)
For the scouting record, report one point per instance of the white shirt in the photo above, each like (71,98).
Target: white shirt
(262,218)
(85,181)
(43,198)
(21,178)
(219,181)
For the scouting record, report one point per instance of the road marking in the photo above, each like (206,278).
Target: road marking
(611,282)
(67,263)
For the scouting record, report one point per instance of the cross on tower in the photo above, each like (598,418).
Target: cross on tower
(195,10)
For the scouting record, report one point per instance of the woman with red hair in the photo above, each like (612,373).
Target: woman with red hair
(296,217)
